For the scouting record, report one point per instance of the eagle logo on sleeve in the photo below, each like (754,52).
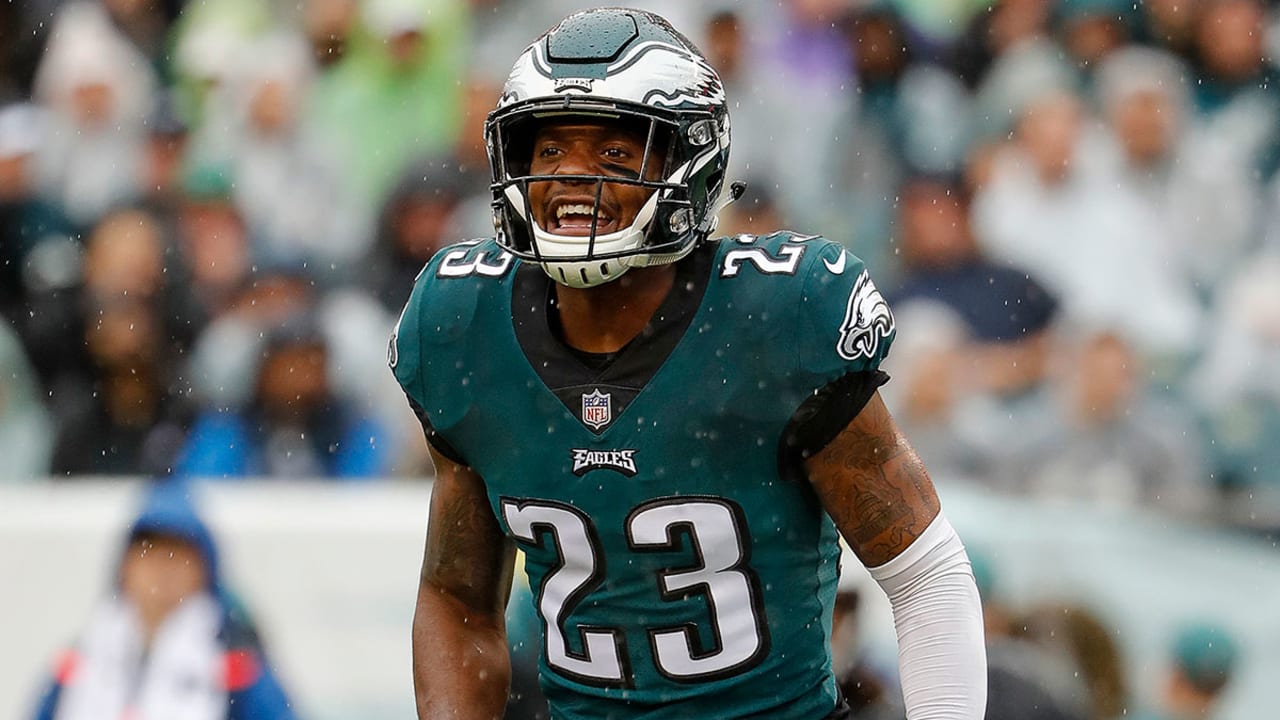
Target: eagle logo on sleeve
(867,321)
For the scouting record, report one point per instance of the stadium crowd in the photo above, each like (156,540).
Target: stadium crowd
(212,211)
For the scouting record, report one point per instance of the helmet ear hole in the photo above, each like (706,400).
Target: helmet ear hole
(707,216)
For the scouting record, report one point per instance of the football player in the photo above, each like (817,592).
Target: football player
(675,430)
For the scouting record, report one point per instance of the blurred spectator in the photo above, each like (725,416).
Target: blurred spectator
(225,353)
(1079,636)
(1202,661)
(209,44)
(458,179)
(1093,248)
(805,62)
(723,43)
(756,212)
(974,364)
(419,219)
(1203,205)
(214,254)
(1025,679)
(468,161)
(1009,58)
(146,23)
(284,178)
(1170,24)
(394,96)
(1007,312)
(328,25)
(907,117)
(1236,90)
(27,220)
(1110,441)
(164,158)
(870,696)
(26,431)
(168,639)
(916,108)
(127,419)
(22,36)
(125,258)
(294,424)
(1090,30)
(1237,386)
(98,90)
(104,350)
(935,398)
(730,50)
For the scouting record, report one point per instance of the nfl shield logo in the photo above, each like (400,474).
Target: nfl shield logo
(596,410)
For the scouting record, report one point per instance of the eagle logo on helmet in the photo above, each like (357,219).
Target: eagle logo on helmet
(651,73)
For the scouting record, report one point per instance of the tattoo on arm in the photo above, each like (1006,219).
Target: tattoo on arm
(874,486)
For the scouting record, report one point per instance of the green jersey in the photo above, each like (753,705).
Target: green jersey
(680,564)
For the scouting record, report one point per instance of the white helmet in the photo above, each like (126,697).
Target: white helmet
(630,66)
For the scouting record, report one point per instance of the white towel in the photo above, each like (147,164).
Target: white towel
(180,676)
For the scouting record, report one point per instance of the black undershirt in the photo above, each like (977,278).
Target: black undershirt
(569,372)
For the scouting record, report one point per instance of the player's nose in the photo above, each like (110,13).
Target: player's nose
(577,160)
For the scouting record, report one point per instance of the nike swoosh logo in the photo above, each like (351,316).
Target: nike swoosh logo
(836,267)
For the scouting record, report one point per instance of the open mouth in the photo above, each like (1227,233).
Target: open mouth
(575,219)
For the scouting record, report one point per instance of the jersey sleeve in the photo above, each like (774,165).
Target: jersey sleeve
(435,334)
(405,350)
(845,324)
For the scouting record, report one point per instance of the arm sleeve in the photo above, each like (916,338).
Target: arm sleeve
(434,320)
(942,655)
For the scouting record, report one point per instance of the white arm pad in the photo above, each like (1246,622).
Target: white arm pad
(942,655)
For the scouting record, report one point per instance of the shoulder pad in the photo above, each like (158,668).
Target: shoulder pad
(442,304)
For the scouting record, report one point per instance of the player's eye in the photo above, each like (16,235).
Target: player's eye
(616,153)
(548,151)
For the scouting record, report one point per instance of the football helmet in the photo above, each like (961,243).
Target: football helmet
(613,65)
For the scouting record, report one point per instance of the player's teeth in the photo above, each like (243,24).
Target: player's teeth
(572,210)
